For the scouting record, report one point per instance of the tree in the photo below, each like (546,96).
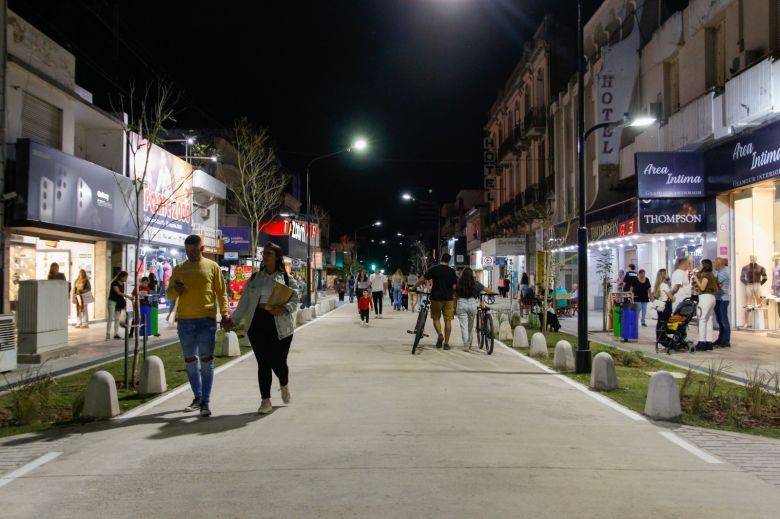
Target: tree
(604,271)
(257,183)
(153,203)
(419,257)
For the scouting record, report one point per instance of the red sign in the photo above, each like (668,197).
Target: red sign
(627,228)
(292,228)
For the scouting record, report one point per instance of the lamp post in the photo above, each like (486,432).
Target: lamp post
(583,357)
(358,145)
(189,141)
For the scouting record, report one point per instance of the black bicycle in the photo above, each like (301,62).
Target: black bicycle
(422,316)
(485,322)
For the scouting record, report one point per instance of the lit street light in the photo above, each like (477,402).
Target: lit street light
(360,144)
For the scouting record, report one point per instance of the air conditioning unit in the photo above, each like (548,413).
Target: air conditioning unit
(7,343)
(205,212)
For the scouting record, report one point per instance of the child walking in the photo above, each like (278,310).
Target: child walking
(365,305)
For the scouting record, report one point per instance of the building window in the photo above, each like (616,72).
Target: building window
(41,122)
(715,72)
(540,89)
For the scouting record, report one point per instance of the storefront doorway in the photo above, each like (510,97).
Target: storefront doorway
(31,257)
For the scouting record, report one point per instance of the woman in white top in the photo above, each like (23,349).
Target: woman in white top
(662,295)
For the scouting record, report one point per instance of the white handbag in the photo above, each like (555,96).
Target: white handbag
(87,297)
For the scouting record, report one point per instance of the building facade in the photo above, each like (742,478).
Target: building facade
(518,148)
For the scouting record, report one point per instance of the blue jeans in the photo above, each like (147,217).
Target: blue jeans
(397,298)
(643,309)
(198,338)
(722,317)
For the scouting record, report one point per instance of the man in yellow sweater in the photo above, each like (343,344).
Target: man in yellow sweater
(199,288)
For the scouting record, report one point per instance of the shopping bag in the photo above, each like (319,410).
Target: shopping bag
(87,297)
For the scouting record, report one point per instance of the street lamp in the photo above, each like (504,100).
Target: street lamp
(583,357)
(360,144)
(189,141)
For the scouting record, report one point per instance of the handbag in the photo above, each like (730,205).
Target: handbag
(87,297)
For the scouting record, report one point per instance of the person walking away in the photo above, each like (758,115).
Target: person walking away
(468,293)
(82,292)
(662,300)
(707,286)
(722,302)
(364,307)
(681,281)
(405,296)
(340,287)
(641,289)
(117,302)
(198,288)
(411,280)
(524,286)
(351,288)
(154,299)
(271,327)
(629,278)
(378,285)
(398,285)
(389,287)
(442,298)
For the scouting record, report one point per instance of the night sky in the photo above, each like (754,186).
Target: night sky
(416,77)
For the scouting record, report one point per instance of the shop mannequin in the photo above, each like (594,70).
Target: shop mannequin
(752,277)
(776,278)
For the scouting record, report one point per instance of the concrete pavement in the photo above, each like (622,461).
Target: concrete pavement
(374,431)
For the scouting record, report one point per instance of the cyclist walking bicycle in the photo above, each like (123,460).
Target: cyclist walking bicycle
(442,298)
(468,291)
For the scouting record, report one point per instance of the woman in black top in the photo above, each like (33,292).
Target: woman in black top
(467,290)
(116,303)
(641,287)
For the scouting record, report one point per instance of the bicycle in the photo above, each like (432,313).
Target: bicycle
(485,322)
(422,316)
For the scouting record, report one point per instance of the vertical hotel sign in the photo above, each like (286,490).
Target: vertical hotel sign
(167,203)
(489,164)
(616,82)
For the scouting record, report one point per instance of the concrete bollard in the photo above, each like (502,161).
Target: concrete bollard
(332,304)
(153,376)
(243,340)
(300,317)
(502,317)
(603,376)
(101,400)
(313,312)
(663,397)
(563,359)
(520,339)
(230,347)
(504,331)
(538,346)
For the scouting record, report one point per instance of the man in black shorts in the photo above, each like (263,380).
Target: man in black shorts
(442,297)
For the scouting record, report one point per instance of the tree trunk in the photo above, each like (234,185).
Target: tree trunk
(136,307)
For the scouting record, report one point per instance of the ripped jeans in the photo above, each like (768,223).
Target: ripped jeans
(198,338)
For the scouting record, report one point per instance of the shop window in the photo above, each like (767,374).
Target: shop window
(756,269)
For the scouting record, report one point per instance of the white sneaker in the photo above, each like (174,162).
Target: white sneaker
(265,406)
(285,394)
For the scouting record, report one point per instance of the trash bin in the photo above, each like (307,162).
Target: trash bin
(616,311)
(629,322)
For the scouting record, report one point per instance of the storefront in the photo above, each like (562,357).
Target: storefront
(67,211)
(502,258)
(648,233)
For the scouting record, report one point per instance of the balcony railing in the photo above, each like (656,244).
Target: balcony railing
(535,122)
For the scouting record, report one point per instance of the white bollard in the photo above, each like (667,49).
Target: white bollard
(563,359)
(663,397)
(152,376)
(300,317)
(538,346)
(504,331)
(502,317)
(230,347)
(314,311)
(332,304)
(101,400)
(603,376)
(520,339)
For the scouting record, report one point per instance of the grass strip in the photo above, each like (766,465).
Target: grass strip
(708,401)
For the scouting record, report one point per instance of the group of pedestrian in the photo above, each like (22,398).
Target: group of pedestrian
(710,284)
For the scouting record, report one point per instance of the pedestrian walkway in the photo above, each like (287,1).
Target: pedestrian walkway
(373,431)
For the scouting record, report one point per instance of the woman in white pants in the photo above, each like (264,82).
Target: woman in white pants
(707,285)
(468,290)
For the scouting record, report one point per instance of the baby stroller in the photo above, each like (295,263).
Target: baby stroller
(672,333)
